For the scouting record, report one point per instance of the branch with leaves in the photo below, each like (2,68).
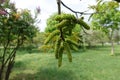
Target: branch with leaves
(66,22)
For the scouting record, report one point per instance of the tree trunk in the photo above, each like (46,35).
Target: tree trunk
(112,43)
(89,45)
(84,47)
(112,47)
(10,66)
(8,71)
(102,43)
(1,71)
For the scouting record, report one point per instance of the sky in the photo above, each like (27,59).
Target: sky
(48,7)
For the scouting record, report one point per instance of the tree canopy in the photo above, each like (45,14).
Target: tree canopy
(107,19)
(15,27)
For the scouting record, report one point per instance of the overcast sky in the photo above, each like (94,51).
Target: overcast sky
(49,7)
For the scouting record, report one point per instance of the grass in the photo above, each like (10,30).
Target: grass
(92,64)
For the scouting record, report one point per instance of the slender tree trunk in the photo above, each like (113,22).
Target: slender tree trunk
(112,43)
(118,36)
(10,66)
(84,47)
(102,43)
(1,71)
(112,47)
(59,6)
(8,71)
(8,62)
(2,67)
(89,45)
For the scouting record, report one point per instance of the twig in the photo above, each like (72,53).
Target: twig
(76,12)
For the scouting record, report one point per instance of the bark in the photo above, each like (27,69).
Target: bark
(59,6)
(112,47)
(8,62)
(3,60)
(112,43)
(1,72)
(10,66)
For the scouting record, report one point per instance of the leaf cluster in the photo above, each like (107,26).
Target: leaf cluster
(16,25)
(108,16)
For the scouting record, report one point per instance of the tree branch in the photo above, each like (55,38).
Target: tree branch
(76,12)
(59,12)
(14,50)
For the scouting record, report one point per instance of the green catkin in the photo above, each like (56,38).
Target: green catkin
(72,42)
(73,47)
(70,32)
(53,34)
(57,46)
(67,31)
(67,48)
(68,17)
(84,24)
(58,18)
(60,55)
(65,17)
(62,24)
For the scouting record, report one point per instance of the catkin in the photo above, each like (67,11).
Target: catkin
(72,42)
(67,48)
(84,24)
(62,24)
(57,46)
(60,55)
(53,34)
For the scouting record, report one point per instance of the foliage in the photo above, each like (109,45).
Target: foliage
(95,37)
(107,18)
(39,39)
(51,23)
(15,28)
(63,34)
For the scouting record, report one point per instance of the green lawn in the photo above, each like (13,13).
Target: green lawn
(94,64)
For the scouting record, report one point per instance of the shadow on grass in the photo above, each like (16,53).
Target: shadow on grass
(99,48)
(19,66)
(117,54)
(46,74)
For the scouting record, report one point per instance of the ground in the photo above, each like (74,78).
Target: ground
(92,64)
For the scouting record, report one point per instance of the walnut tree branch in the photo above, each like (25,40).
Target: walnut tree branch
(76,12)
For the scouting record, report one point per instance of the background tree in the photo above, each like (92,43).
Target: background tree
(15,28)
(95,37)
(108,20)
